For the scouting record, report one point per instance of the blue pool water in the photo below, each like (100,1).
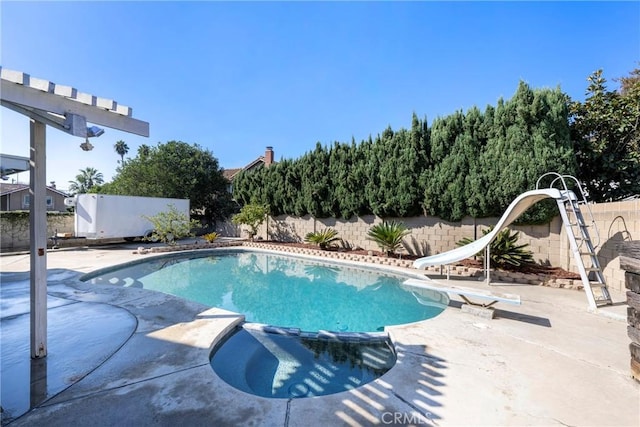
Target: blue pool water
(284,291)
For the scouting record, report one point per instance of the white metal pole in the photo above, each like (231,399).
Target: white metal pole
(487,261)
(38,238)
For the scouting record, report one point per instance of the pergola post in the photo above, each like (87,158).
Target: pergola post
(68,110)
(38,238)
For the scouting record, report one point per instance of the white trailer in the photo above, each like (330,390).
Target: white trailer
(104,216)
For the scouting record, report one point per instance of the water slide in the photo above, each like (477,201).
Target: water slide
(515,209)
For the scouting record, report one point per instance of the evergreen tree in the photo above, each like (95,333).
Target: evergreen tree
(400,172)
(445,192)
(315,183)
(606,132)
(475,132)
(340,165)
(176,170)
(375,155)
(294,189)
(529,138)
(465,164)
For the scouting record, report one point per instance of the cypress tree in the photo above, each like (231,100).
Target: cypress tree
(372,151)
(444,195)
(315,182)
(339,166)
(528,139)
(465,164)
(475,134)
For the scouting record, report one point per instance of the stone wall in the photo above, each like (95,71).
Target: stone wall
(616,222)
(14,232)
(630,263)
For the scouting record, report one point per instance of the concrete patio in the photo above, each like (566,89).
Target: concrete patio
(127,356)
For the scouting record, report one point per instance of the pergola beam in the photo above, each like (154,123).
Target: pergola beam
(72,123)
(96,111)
(39,115)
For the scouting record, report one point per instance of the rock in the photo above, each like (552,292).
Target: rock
(484,312)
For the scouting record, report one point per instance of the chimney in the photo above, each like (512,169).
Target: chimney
(52,184)
(268,156)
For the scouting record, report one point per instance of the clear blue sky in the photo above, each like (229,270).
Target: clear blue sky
(237,77)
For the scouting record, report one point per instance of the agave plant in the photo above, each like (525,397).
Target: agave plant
(388,235)
(323,238)
(503,250)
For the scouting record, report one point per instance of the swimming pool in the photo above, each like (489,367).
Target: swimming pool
(282,290)
(288,364)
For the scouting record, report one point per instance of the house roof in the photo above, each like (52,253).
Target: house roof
(231,173)
(256,162)
(6,188)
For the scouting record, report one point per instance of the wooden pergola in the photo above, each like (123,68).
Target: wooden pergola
(68,110)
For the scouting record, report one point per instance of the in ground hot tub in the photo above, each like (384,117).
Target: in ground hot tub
(286,363)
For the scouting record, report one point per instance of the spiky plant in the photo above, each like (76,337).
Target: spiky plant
(504,251)
(211,237)
(324,238)
(388,235)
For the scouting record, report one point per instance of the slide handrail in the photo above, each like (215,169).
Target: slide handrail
(583,199)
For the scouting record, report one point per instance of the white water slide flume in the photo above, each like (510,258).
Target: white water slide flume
(595,289)
(515,209)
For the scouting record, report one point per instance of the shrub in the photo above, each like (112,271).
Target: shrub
(503,250)
(323,239)
(252,216)
(211,237)
(170,226)
(388,235)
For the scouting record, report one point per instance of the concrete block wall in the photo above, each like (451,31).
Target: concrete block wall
(429,235)
(287,229)
(228,229)
(616,222)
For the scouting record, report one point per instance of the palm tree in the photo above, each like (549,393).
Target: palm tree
(86,179)
(121,148)
(144,150)
(388,235)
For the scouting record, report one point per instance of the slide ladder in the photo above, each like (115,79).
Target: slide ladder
(572,211)
(577,219)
